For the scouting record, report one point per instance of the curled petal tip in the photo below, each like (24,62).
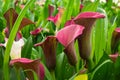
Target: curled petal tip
(68,34)
(34,65)
(90,15)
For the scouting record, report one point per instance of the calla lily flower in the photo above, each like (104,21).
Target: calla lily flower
(115,38)
(51,10)
(36,31)
(15,52)
(49,49)
(11,17)
(28,65)
(86,19)
(57,18)
(66,37)
(114,56)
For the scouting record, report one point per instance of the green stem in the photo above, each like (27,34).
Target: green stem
(53,75)
(6,5)
(18,74)
(11,39)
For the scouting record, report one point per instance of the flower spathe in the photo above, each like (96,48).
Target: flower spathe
(29,65)
(11,16)
(66,37)
(86,19)
(49,48)
(51,10)
(57,18)
(15,52)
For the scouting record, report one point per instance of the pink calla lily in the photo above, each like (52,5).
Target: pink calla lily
(36,31)
(114,56)
(57,18)
(66,37)
(28,64)
(86,19)
(49,49)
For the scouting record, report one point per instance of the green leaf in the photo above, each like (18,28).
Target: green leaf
(101,29)
(103,70)
(110,31)
(68,12)
(59,62)
(76,7)
(27,48)
(91,7)
(117,69)
(67,69)
(47,73)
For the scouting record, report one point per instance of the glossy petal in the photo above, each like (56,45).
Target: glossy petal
(36,31)
(27,64)
(66,37)
(68,34)
(86,19)
(49,48)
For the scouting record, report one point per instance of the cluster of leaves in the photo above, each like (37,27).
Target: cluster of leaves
(99,65)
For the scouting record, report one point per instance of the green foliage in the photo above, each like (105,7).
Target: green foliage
(27,48)
(103,70)
(98,67)
(116,70)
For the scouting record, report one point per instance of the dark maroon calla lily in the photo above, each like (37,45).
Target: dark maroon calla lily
(49,48)
(51,10)
(36,31)
(28,65)
(11,17)
(115,38)
(86,19)
(66,37)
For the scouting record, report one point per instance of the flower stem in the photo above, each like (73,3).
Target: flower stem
(53,75)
